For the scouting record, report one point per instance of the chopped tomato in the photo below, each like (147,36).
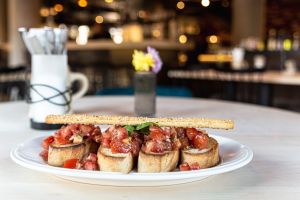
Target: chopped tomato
(61,140)
(74,127)
(195,166)
(106,142)
(67,132)
(119,133)
(156,133)
(155,146)
(71,163)
(191,133)
(135,147)
(184,167)
(47,142)
(92,157)
(200,141)
(90,165)
(86,129)
(106,135)
(119,147)
(44,155)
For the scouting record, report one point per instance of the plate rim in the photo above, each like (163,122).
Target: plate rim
(114,176)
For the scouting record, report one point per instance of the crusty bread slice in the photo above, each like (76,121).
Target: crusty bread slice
(205,158)
(151,163)
(58,154)
(124,120)
(114,162)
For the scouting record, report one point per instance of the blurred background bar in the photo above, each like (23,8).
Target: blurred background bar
(238,50)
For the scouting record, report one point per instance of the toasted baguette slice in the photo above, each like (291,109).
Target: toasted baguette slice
(205,158)
(151,163)
(114,162)
(124,120)
(58,154)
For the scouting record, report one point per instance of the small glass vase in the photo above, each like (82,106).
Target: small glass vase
(145,94)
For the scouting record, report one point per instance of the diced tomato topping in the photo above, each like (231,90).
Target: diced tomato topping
(195,166)
(87,129)
(61,140)
(106,135)
(64,134)
(92,157)
(119,133)
(90,165)
(71,163)
(135,147)
(184,167)
(119,147)
(44,155)
(47,142)
(191,133)
(74,128)
(200,141)
(106,143)
(187,167)
(156,133)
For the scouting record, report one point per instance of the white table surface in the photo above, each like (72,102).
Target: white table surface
(274,136)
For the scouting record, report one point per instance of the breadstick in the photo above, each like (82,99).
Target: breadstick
(125,120)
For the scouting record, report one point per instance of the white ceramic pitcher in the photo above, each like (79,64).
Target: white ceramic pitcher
(50,85)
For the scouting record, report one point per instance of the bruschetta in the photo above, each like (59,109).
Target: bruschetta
(160,151)
(118,150)
(70,142)
(200,152)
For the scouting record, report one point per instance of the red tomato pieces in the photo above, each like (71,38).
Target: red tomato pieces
(195,166)
(200,141)
(92,157)
(47,142)
(119,133)
(191,133)
(117,146)
(156,133)
(184,167)
(90,165)
(65,133)
(44,155)
(117,139)
(187,167)
(71,163)
(197,138)
(159,140)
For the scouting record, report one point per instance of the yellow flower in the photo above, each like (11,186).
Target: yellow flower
(141,61)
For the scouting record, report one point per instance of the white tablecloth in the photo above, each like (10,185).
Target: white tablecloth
(274,136)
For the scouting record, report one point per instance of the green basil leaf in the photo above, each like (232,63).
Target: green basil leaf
(144,125)
(130,129)
(144,128)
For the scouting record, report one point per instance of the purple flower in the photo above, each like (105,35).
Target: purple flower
(157,61)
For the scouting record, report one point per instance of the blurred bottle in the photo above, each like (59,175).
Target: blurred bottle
(280,40)
(296,42)
(271,42)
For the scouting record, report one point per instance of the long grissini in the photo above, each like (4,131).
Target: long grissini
(125,120)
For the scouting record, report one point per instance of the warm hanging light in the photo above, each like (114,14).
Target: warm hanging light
(58,7)
(182,39)
(44,12)
(213,39)
(205,3)
(82,3)
(180,5)
(109,1)
(99,19)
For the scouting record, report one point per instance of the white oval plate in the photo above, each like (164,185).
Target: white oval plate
(233,155)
